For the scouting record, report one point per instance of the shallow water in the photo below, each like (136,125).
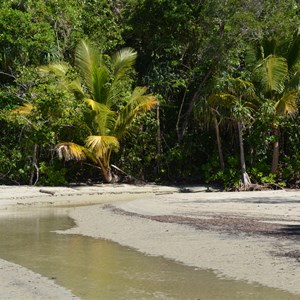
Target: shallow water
(100,269)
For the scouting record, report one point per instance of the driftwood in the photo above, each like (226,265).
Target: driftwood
(47,192)
(130,177)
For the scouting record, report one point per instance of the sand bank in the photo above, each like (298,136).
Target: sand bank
(189,225)
(17,282)
(204,230)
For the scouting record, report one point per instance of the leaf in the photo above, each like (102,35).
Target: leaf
(75,87)
(104,117)
(61,69)
(222,99)
(96,106)
(100,145)
(100,79)
(122,65)
(70,151)
(88,59)
(294,82)
(24,109)
(138,104)
(123,61)
(58,68)
(273,72)
(287,105)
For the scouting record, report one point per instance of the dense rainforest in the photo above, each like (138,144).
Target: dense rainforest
(150,90)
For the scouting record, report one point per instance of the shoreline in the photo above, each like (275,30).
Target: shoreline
(126,214)
(170,226)
(18,282)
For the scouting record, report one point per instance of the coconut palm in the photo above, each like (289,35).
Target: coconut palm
(278,74)
(236,103)
(103,86)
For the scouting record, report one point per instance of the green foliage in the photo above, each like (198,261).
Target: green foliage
(52,175)
(9,160)
(100,24)
(228,177)
(113,103)
(53,109)
(263,177)
(187,50)
(42,113)
(138,155)
(183,162)
(40,31)
(25,39)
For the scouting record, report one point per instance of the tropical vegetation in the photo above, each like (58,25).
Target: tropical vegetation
(151,90)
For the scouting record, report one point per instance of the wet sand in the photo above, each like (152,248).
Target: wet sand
(251,236)
(17,282)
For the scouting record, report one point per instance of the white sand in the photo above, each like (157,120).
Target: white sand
(240,257)
(19,283)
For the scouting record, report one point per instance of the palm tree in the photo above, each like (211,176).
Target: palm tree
(103,86)
(278,74)
(236,103)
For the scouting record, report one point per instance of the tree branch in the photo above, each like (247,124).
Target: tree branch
(192,103)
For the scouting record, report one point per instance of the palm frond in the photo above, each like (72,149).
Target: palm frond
(100,84)
(70,151)
(104,117)
(273,71)
(88,59)
(122,65)
(241,88)
(123,61)
(140,101)
(100,145)
(24,109)
(58,68)
(287,105)
(251,55)
(294,82)
(96,106)
(138,92)
(61,69)
(142,104)
(138,104)
(76,88)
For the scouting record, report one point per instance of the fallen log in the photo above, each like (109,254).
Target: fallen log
(47,192)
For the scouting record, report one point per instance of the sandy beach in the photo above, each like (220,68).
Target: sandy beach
(250,236)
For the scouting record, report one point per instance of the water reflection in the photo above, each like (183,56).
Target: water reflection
(100,269)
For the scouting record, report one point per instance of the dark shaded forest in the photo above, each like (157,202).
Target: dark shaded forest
(150,90)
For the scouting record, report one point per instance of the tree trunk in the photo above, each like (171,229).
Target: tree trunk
(245,177)
(35,169)
(220,152)
(158,140)
(208,74)
(189,111)
(107,175)
(275,159)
